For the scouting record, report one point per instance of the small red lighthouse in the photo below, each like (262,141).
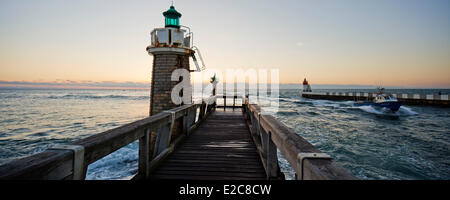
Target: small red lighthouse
(305,82)
(306,86)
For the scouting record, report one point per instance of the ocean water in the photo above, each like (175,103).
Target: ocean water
(33,120)
(413,143)
(372,143)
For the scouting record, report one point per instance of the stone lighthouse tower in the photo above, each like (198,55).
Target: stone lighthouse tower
(171,48)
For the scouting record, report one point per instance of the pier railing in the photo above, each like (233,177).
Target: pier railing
(71,161)
(269,134)
(232,98)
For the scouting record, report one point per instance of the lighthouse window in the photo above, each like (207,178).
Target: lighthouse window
(170,21)
(172,17)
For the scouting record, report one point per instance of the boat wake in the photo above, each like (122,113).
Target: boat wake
(406,111)
(403,111)
(373,110)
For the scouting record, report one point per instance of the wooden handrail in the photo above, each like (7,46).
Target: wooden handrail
(270,134)
(58,164)
(225,97)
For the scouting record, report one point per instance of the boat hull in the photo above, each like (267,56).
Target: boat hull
(394,106)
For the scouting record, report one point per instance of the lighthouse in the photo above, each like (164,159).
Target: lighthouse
(171,48)
(306,86)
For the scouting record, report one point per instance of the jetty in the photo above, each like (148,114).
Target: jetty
(407,99)
(216,143)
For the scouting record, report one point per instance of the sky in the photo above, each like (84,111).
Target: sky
(400,43)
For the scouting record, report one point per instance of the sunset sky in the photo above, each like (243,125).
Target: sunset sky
(404,43)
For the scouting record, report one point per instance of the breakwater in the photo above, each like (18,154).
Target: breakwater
(407,99)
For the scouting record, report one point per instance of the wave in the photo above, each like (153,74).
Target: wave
(403,111)
(326,103)
(312,113)
(287,113)
(406,111)
(122,164)
(371,109)
(296,101)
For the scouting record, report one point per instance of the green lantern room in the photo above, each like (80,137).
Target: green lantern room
(172,17)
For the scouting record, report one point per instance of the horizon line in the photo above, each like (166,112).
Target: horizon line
(147,85)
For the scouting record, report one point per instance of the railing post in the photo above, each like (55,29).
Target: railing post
(162,139)
(189,119)
(263,150)
(255,124)
(209,107)
(273,169)
(224,93)
(185,122)
(224,102)
(244,108)
(144,152)
(234,95)
(79,167)
(202,111)
(300,168)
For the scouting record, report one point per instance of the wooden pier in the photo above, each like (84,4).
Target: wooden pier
(220,149)
(236,143)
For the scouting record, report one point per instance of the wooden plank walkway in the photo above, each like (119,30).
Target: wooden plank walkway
(220,149)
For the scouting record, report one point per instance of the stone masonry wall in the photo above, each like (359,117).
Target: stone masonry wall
(164,64)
